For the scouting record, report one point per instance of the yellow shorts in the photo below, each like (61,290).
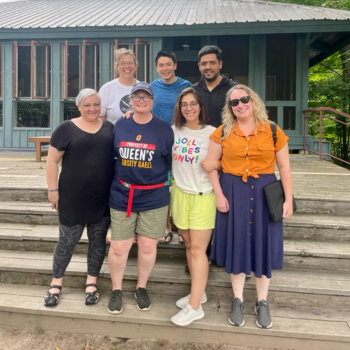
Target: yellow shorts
(192,211)
(148,223)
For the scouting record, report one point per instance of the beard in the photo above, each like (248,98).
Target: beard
(213,78)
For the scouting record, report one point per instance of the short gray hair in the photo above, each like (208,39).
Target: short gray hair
(83,94)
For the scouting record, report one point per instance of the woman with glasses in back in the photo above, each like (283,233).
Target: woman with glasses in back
(139,195)
(115,94)
(245,238)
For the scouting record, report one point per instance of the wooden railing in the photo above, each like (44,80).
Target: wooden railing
(321,116)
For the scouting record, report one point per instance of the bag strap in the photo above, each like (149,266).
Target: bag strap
(274,134)
(222,132)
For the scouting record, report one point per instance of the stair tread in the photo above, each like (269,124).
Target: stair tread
(172,271)
(306,220)
(303,247)
(29,299)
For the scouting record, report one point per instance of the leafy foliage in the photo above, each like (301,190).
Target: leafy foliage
(329,86)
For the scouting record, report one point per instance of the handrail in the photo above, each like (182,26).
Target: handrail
(321,116)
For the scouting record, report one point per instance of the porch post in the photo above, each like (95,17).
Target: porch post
(8,95)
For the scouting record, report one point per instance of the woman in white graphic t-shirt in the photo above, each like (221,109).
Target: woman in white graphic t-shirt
(115,94)
(192,198)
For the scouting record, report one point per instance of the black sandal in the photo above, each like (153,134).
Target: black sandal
(51,299)
(168,234)
(92,298)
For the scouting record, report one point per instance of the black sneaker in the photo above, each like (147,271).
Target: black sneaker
(115,305)
(236,317)
(262,310)
(143,301)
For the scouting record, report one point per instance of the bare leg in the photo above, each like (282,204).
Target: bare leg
(262,287)
(199,266)
(237,282)
(147,253)
(117,259)
(187,238)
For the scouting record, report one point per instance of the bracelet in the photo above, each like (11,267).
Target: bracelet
(55,190)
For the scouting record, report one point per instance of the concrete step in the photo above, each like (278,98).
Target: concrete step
(22,306)
(300,226)
(298,254)
(317,227)
(297,289)
(323,206)
(28,213)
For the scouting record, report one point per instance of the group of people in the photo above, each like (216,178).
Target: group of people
(211,143)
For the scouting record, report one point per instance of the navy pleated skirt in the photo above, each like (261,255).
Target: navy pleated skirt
(245,238)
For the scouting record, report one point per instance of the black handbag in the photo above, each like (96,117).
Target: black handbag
(275,198)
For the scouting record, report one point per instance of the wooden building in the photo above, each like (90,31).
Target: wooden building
(50,49)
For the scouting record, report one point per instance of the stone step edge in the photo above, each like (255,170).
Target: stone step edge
(183,278)
(288,246)
(159,316)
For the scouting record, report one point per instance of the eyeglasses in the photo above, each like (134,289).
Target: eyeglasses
(235,102)
(145,98)
(192,104)
(123,64)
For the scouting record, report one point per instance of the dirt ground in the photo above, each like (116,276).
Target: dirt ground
(37,339)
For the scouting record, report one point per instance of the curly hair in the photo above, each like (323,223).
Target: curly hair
(178,119)
(229,120)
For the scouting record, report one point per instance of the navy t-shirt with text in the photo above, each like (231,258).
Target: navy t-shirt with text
(143,157)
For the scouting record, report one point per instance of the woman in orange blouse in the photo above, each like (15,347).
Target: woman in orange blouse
(245,238)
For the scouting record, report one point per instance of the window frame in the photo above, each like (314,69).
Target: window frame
(33,44)
(146,45)
(83,63)
(82,60)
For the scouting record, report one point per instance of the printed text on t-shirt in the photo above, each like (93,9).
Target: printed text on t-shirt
(136,154)
(186,150)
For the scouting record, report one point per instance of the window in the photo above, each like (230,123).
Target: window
(32,114)
(70,110)
(31,85)
(80,67)
(142,56)
(235,66)
(32,70)
(280,67)
(141,50)
(281,79)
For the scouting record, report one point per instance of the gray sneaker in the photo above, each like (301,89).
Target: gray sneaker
(143,300)
(115,305)
(262,310)
(236,317)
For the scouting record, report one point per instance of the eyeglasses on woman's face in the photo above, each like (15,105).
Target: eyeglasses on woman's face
(235,102)
(145,98)
(192,104)
(124,64)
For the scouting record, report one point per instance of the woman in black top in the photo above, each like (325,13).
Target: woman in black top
(85,146)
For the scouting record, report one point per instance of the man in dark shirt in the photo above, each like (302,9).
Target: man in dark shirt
(213,86)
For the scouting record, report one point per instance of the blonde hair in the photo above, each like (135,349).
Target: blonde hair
(229,120)
(118,54)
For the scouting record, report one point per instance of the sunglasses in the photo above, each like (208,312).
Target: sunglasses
(235,102)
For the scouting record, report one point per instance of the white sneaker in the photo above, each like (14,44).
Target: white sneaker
(181,303)
(187,315)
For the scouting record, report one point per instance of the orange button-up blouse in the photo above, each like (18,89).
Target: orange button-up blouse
(250,155)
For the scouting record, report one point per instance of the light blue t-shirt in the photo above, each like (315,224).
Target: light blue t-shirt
(165,96)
